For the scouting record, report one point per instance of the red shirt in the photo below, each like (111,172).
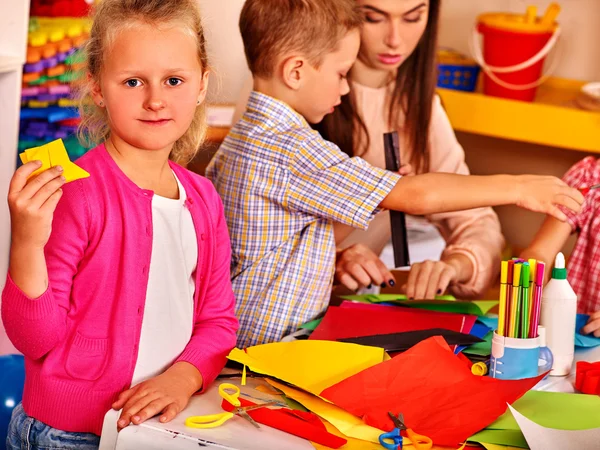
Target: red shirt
(584,264)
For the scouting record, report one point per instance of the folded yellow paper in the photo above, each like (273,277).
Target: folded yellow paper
(310,365)
(53,154)
(348,424)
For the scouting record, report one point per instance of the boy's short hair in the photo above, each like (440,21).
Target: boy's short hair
(272,28)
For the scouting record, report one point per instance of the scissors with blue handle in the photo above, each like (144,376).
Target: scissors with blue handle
(216,420)
(419,441)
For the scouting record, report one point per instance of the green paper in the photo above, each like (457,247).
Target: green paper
(548,409)
(311,325)
(481,348)
(444,303)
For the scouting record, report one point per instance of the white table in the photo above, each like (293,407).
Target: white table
(237,433)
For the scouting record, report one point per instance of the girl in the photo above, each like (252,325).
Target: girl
(118,291)
(584,263)
(392,88)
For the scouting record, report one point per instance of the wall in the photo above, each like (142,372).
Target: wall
(225,49)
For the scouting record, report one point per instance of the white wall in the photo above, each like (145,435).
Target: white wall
(225,49)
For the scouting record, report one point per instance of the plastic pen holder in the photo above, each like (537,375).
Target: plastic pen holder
(513,358)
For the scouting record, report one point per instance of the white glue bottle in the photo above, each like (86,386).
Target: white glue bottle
(559,313)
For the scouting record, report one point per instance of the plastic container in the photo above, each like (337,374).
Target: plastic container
(559,313)
(456,71)
(514,50)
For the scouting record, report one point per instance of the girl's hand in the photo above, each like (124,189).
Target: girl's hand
(545,193)
(32,203)
(167,393)
(593,325)
(358,266)
(428,279)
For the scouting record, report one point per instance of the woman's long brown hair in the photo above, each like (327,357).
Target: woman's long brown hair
(412,95)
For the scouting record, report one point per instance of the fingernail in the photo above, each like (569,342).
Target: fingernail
(121,423)
(163,419)
(38,162)
(439,291)
(136,418)
(383,285)
(392,283)
(370,286)
(59,168)
(62,178)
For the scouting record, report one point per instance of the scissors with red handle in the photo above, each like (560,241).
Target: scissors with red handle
(585,190)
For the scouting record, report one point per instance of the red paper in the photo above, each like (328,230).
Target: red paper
(368,320)
(587,380)
(433,388)
(299,423)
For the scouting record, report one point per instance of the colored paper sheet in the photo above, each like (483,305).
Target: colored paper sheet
(352,444)
(310,365)
(356,320)
(350,426)
(311,325)
(548,409)
(482,348)
(584,340)
(53,154)
(400,342)
(490,322)
(433,388)
(544,438)
(497,447)
(479,331)
(445,303)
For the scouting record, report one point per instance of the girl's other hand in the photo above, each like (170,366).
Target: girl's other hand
(545,193)
(593,325)
(358,266)
(406,170)
(32,203)
(167,393)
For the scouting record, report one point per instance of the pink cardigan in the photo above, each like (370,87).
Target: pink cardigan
(80,338)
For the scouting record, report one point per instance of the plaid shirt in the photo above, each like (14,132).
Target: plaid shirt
(282,186)
(584,264)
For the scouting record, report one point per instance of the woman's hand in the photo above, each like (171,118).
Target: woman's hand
(167,393)
(593,325)
(358,266)
(431,278)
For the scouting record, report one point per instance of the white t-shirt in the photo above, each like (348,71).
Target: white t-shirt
(168,312)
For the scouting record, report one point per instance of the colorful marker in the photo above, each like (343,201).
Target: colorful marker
(502,305)
(509,280)
(524,328)
(515,306)
(537,304)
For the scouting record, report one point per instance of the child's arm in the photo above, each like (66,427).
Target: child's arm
(549,240)
(35,299)
(442,192)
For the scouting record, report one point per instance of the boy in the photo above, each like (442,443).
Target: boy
(283,186)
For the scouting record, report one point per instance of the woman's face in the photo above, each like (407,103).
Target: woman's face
(391,31)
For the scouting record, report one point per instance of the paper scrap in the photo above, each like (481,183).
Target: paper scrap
(53,154)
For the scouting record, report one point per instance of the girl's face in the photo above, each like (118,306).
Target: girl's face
(151,84)
(391,31)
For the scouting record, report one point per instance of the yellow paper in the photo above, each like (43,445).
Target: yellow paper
(311,365)
(348,424)
(53,154)
(499,447)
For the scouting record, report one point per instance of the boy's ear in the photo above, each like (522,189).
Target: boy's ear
(294,71)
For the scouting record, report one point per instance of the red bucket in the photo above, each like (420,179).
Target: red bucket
(512,58)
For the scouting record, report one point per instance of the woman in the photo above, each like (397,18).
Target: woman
(393,88)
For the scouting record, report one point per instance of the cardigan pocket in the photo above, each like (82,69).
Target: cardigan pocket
(87,358)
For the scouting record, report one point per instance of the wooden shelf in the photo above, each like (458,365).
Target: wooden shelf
(552,119)
(10,63)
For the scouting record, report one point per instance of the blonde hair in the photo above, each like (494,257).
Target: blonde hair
(110,18)
(314,28)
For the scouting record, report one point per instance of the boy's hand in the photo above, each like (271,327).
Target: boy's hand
(593,325)
(32,203)
(545,193)
(358,266)
(167,393)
